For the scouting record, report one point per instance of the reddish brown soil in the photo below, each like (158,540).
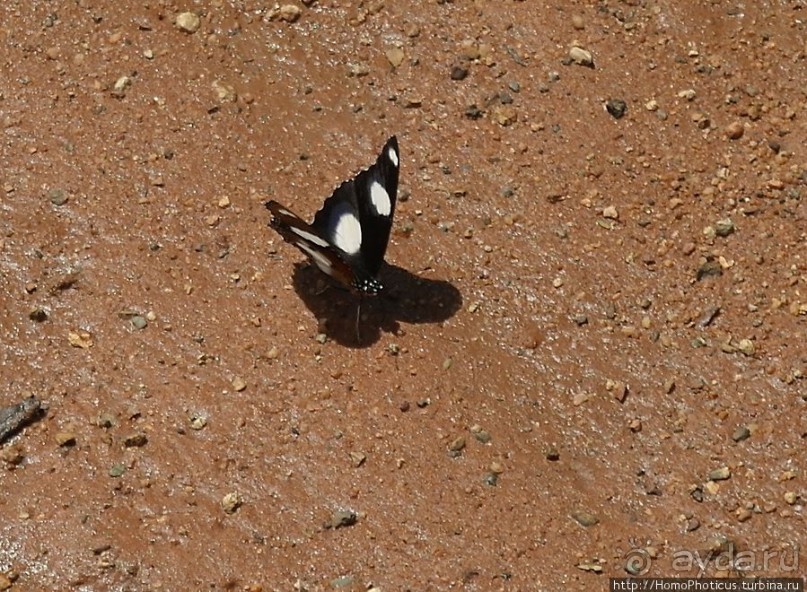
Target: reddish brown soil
(554,278)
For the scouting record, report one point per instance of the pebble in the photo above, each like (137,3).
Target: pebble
(395,56)
(456,446)
(580,398)
(709,268)
(611,213)
(471,50)
(720,474)
(12,456)
(459,72)
(38,315)
(741,433)
(412,102)
(198,421)
(106,421)
(231,502)
(581,56)
(701,120)
(357,70)
(225,93)
(342,518)
(480,434)
(586,519)
(711,488)
(65,438)
(139,322)
(735,130)
(473,112)
(746,346)
(135,440)
(289,13)
(120,86)
(620,391)
(708,316)
(117,470)
(551,453)
(188,22)
(743,514)
(238,384)
(616,107)
(589,566)
(724,227)
(504,115)
(58,197)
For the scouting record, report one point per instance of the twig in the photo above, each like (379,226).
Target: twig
(12,418)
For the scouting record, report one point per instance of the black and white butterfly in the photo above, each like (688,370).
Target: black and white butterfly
(349,235)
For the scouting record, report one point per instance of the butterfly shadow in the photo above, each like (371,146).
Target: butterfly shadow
(406,298)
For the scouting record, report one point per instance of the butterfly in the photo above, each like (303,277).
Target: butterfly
(349,235)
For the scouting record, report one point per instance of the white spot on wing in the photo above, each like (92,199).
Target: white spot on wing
(318,258)
(347,233)
(312,238)
(380,199)
(392,155)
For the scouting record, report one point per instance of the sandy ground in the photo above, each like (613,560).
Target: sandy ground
(591,359)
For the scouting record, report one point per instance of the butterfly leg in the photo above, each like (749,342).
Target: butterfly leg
(358,320)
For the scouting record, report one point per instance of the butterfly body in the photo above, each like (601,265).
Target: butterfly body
(349,235)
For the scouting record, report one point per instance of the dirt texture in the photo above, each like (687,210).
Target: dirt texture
(591,358)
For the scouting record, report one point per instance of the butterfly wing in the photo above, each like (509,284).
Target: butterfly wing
(357,218)
(319,251)
(349,235)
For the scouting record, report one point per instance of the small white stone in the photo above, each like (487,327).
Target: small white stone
(188,22)
(581,56)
